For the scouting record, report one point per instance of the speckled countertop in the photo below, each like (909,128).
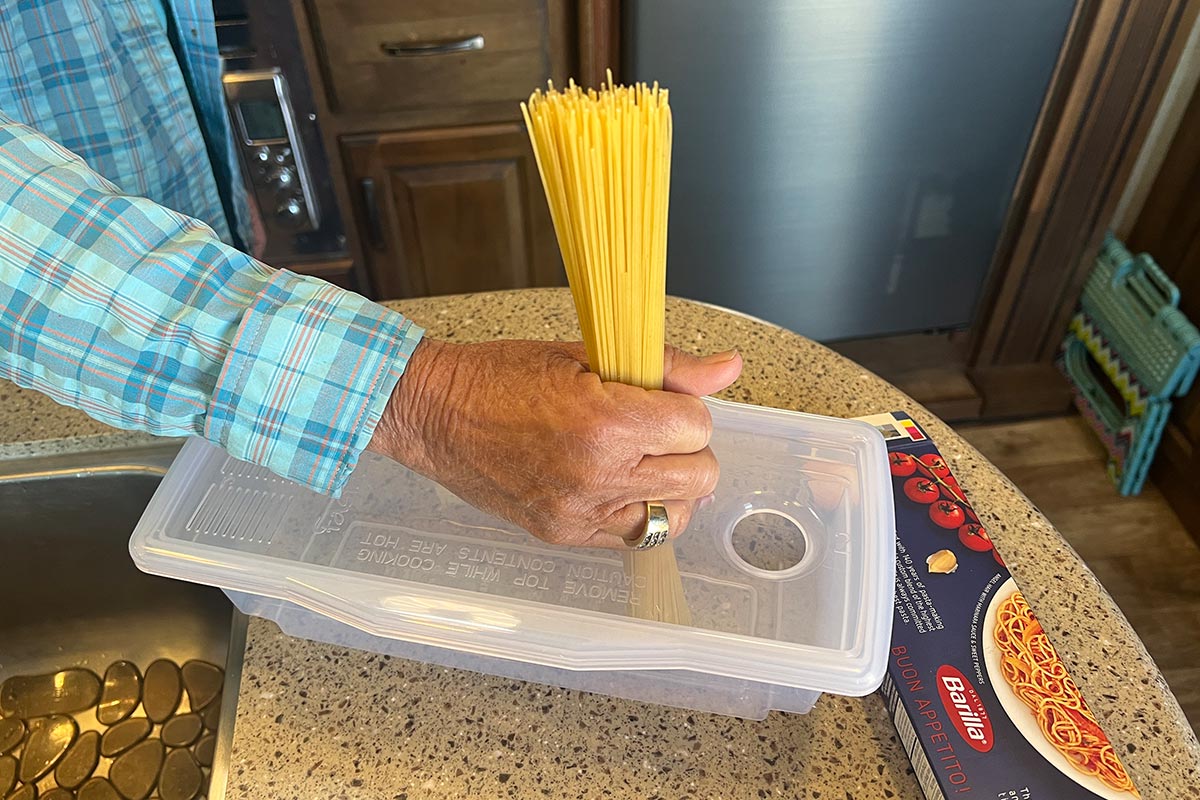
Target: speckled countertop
(318,721)
(32,424)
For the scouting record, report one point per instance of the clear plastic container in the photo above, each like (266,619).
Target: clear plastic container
(400,565)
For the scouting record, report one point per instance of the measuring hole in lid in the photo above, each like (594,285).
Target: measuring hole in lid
(771,543)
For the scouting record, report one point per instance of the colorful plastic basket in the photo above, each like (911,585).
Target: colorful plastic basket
(1129,350)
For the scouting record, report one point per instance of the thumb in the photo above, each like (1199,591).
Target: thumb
(688,374)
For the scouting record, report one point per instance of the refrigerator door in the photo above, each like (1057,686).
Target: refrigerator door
(842,168)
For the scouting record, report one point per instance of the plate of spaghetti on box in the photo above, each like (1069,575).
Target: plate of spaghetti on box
(1043,701)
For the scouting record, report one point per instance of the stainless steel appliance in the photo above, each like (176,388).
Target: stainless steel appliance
(275,126)
(843,167)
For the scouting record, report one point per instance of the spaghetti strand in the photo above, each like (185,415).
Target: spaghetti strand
(604,158)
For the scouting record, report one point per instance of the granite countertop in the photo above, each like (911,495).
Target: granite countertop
(316,720)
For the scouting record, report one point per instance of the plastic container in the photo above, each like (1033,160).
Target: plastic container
(399,565)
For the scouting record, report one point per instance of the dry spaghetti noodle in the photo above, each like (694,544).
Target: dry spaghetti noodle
(1039,678)
(605,160)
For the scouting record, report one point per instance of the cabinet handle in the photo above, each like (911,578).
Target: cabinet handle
(374,226)
(432,48)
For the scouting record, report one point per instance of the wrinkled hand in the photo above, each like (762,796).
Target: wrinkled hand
(522,430)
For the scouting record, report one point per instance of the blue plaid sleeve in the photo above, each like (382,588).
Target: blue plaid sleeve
(143,318)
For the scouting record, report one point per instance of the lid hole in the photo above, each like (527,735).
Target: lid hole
(769,541)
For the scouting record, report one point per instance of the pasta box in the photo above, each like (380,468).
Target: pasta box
(982,703)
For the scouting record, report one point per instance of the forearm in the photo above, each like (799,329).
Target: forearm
(144,319)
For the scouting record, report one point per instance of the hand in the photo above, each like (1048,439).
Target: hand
(522,430)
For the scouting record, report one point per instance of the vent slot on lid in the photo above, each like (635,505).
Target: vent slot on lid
(239,514)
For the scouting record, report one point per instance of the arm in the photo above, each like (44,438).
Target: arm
(142,318)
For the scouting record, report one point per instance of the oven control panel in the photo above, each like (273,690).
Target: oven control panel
(271,152)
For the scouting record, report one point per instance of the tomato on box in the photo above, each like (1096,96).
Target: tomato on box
(921,490)
(902,464)
(936,464)
(975,537)
(947,514)
(952,483)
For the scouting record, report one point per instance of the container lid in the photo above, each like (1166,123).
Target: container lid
(399,556)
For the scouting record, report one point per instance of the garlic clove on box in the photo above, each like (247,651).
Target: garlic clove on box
(943,562)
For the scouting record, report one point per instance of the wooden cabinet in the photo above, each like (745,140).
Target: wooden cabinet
(421,98)
(478,58)
(451,210)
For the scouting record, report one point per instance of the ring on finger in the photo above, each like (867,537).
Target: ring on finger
(657,529)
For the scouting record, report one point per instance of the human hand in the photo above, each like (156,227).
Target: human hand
(522,430)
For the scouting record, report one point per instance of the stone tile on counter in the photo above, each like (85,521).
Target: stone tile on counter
(102,442)
(332,722)
(31,424)
(31,416)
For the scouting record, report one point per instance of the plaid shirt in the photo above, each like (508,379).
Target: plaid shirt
(142,316)
(100,77)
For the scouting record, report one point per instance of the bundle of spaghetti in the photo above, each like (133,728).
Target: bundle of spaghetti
(605,161)
(1039,678)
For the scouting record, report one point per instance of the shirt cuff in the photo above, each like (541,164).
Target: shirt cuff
(307,377)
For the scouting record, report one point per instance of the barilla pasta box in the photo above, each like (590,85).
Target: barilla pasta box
(981,701)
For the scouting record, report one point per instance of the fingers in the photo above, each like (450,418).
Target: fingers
(688,374)
(626,525)
(682,483)
(679,514)
(685,373)
(660,440)
(607,541)
(684,476)
(683,425)
(661,423)
(575,350)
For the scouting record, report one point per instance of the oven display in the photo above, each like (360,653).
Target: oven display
(262,121)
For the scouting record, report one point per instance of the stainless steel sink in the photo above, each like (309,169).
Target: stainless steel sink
(70,594)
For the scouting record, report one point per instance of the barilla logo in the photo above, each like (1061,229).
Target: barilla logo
(965,708)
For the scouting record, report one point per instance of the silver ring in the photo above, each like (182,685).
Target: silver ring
(658,527)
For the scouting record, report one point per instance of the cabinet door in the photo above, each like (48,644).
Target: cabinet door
(451,210)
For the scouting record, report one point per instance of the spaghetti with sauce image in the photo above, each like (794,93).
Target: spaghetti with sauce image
(1038,677)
